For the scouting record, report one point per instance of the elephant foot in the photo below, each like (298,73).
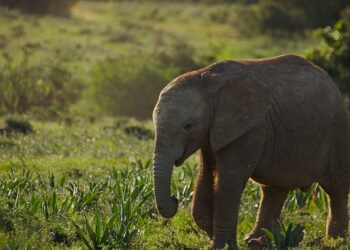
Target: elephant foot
(255,234)
(206,228)
(209,233)
(213,247)
(256,238)
(205,225)
(230,245)
(257,241)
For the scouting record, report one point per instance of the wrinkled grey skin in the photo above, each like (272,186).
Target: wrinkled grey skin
(280,121)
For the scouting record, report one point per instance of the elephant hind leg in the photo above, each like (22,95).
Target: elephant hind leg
(271,202)
(338,218)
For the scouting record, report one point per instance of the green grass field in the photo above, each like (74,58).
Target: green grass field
(55,178)
(86,183)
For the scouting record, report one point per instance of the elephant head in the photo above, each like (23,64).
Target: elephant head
(212,106)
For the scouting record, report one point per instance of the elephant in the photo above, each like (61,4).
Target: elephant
(279,121)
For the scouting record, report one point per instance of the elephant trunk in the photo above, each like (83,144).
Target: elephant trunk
(162,171)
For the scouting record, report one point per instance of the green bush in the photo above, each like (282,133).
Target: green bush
(26,87)
(333,54)
(288,15)
(129,86)
(57,7)
(318,13)
(16,125)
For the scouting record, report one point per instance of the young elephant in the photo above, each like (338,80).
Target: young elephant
(280,121)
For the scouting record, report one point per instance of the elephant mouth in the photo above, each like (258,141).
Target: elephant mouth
(182,158)
(179,161)
(189,150)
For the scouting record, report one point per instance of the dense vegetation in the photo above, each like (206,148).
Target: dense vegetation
(285,16)
(77,178)
(333,54)
(57,7)
(37,88)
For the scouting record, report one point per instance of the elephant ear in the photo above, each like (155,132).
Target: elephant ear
(240,104)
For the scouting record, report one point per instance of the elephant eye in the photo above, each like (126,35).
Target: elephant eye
(188,126)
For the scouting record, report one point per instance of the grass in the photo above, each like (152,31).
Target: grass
(99,196)
(82,146)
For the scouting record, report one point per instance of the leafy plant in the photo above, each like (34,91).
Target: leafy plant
(94,237)
(298,199)
(13,244)
(52,206)
(333,53)
(280,238)
(82,199)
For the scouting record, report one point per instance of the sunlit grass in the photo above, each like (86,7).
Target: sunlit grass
(45,196)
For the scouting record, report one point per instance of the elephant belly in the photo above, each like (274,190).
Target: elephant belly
(284,180)
(298,175)
(293,161)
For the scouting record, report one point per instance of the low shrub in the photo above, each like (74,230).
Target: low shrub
(56,7)
(333,54)
(129,86)
(26,87)
(140,133)
(15,126)
(268,17)
(273,16)
(317,13)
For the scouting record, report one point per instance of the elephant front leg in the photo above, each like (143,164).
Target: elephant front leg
(228,191)
(202,209)
(234,166)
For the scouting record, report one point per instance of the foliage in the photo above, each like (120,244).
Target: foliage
(338,243)
(26,87)
(278,16)
(304,200)
(139,132)
(129,86)
(15,125)
(95,238)
(333,54)
(280,238)
(270,17)
(57,7)
(116,222)
(317,13)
